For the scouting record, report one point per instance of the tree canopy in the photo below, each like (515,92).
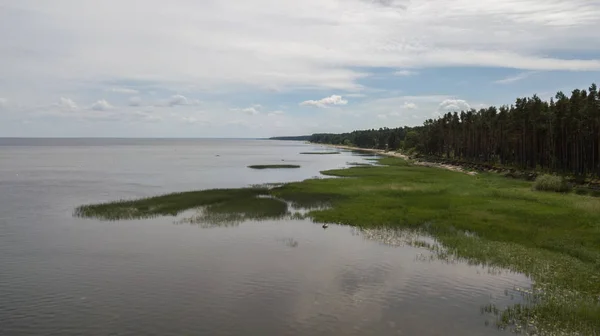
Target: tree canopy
(560,135)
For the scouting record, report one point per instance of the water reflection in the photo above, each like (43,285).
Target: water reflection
(233,212)
(394,282)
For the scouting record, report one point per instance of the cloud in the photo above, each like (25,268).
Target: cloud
(516,78)
(177,100)
(66,104)
(124,90)
(231,43)
(410,106)
(146,116)
(405,73)
(135,101)
(101,105)
(248,110)
(325,102)
(382,116)
(453,105)
(3,102)
(275,113)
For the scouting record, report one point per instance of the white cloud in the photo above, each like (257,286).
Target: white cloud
(135,101)
(3,102)
(248,110)
(516,78)
(231,43)
(410,106)
(325,102)
(453,105)
(66,104)
(101,105)
(124,90)
(275,113)
(382,116)
(146,116)
(405,73)
(195,120)
(177,100)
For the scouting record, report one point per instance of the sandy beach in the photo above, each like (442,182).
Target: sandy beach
(403,156)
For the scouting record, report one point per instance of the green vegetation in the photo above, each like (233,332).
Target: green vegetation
(236,210)
(489,219)
(292,138)
(561,135)
(319,153)
(274,166)
(554,238)
(551,183)
(358,164)
(171,204)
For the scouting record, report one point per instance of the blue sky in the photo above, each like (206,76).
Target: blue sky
(259,68)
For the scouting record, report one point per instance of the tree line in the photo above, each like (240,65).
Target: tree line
(561,135)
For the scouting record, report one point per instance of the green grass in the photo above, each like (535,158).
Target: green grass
(274,166)
(552,237)
(319,153)
(548,182)
(238,210)
(171,204)
(358,164)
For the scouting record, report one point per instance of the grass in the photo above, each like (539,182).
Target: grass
(171,204)
(552,237)
(274,166)
(319,153)
(238,210)
(551,183)
(358,164)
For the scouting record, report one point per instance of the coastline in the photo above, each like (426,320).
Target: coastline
(405,157)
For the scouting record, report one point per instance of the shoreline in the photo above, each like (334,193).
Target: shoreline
(405,157)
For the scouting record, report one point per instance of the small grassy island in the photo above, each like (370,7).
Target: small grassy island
(274,166)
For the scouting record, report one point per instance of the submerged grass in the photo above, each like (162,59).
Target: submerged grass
(552,237)
(274,166)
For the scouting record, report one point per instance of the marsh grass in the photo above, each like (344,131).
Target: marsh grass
(170,204)
(358,164)
(274,166)
(548,182)
(319,153)
(238,210)
(552,237)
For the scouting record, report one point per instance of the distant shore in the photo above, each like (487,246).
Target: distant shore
(404,156)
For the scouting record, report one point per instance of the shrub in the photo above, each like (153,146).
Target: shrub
(551,183)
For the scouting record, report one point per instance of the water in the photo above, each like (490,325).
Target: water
(61,275)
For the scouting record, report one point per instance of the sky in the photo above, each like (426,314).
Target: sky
(259,68)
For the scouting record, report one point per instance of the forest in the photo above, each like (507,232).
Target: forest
(561,135)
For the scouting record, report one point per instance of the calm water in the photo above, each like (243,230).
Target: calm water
(62,275)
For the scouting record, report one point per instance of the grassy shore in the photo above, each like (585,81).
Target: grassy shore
(552,237)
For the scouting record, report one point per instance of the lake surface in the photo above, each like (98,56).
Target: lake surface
(61,275)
